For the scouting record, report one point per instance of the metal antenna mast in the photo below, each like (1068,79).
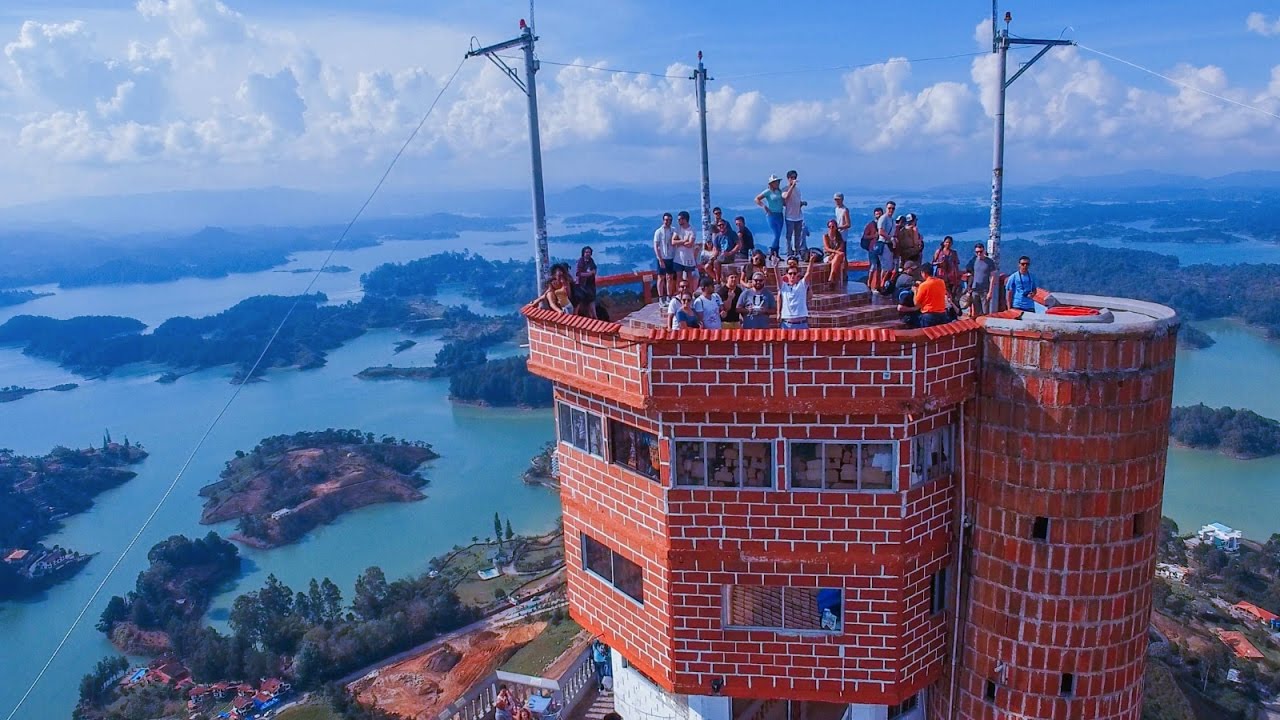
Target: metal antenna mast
(542,260)
(1000,45)
(700,77)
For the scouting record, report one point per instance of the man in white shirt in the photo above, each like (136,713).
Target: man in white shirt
(663,251)
(793,298)
(793,213)
(685,247)
(708,305)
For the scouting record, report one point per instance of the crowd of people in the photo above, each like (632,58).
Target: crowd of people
(720,282)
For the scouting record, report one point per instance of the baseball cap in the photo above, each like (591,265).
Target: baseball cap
(773,179)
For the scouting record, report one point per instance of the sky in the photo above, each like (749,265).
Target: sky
(101,98)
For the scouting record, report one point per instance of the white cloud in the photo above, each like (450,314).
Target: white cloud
(1258,23)
(198,22)
(275,98)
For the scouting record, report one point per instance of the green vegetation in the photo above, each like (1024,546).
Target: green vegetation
(175,589)
(37,492)
(535,657)
(1239,433)
(501,383)
(1161,697)
(16,392)
(290,484)
(96,687)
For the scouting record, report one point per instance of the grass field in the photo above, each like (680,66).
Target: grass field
(310,711)
(535,657)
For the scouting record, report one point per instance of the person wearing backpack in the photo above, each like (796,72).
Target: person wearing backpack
(871,245)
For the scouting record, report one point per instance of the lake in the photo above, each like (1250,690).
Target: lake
(474,477)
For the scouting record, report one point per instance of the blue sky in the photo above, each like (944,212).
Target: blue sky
(176,94)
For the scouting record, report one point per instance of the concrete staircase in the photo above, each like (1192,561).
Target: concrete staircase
(593,707)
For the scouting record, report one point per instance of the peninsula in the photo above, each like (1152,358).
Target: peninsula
(1242,434)
(17,392)
(36,493)
(290,484)
(17,297)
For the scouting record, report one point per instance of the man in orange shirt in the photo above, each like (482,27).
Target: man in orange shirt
(931,298)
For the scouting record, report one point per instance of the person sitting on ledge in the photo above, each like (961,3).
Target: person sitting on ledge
(793,297)
(756,263)
(904,291)
(833,244)
(559,290)
(708,260)
(756,305)
(931,298)
(686,318)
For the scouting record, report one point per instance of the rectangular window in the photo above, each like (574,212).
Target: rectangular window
(613,568)
(1137,525)
(785,608)
(1068,684)
(581,429)
(990,693)
(842,466)
(938,591)
(724,464)
(633,449)
(932,455)
(1040,528)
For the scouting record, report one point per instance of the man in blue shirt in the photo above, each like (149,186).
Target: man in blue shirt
(1020,289)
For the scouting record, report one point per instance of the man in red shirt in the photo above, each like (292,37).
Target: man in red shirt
(931,298)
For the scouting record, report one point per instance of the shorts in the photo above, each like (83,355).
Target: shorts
(678,268)
(666,266)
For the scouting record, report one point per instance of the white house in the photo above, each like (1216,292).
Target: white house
(1222,537)
(1172,572)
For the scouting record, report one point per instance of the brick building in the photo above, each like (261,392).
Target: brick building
(863,522)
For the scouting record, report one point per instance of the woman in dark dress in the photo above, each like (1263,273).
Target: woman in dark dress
(585,278)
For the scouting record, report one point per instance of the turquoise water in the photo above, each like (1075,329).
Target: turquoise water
(483,452)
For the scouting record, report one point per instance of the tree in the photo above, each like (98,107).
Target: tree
(510,535)
(497,528)
(116,611)
(96,686)
(370,593)
(332,600)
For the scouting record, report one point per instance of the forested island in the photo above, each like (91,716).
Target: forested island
(474,378)
(17,392)
(290,484)
(17,297)
(395,296)
(36,493)
(1193,337)
(1241,434)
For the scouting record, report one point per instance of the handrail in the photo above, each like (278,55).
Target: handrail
(568,690)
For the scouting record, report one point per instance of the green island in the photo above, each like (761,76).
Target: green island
(17,392)
(290,484)
(1242,434)
(1193,337)
(17,297)
(36,493)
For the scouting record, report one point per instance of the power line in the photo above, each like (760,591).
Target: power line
(234,394)
(797,71)
(1179,83)
(597,68)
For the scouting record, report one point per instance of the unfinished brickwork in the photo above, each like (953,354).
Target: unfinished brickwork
(779,470)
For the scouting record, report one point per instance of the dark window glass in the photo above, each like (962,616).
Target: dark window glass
(595,435)
(786,608)
(597,558)
(566,424)
(581,429)
(1068,684)
(628,577)
(842,466)
(1040,528)
(691,466)
(634,449)
(938,591)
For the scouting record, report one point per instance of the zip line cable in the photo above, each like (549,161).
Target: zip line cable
(1179,83)
(890,61)
(234,394)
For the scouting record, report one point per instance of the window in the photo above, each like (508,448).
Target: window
(581,429)
(726,463)
(1040,528)
(614,569)
(938,591)
(1137,525)
(1068,684)
(633,449)
(785,608)
(932,455)
(842,466)
(904,707)
(990,694)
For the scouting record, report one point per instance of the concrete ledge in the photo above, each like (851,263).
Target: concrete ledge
(1117,316)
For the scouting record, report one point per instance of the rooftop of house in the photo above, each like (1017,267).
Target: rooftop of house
(1220,529)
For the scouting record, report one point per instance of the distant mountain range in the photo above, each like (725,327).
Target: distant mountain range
(191,210)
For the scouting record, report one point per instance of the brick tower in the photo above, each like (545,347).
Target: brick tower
(768,524)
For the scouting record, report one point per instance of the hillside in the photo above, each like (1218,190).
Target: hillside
(290,484)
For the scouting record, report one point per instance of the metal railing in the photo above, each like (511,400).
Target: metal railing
(565,692)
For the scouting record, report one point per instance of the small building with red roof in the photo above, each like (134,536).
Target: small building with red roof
(1248,611)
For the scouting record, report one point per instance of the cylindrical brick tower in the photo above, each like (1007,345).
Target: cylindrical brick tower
(1066,453)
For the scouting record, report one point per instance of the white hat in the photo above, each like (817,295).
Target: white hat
(773,179)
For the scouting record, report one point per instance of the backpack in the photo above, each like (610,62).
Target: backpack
(870,233)
(888,283)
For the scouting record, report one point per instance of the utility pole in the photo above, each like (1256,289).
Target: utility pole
(525,41)
(1000,45)
(700,77)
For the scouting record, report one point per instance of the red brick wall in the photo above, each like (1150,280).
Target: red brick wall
(589,355)
(1073,428)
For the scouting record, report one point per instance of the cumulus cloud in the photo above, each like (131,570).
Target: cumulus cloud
(1258,23)
(275,98)
(198,22)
